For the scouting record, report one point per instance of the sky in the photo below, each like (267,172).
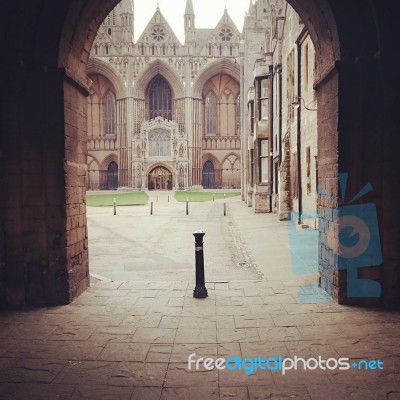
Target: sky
(207,12)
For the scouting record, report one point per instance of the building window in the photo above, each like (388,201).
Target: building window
(238,119)
(225,34)
(264,103)
(109,114)
(306,78)
(264,160)
(290,86)
(159,143)
(158,34)
(308,169)
(211,114)
(160,99)
(251,115)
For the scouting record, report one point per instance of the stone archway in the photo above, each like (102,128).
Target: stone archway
(42,128)
(160,178)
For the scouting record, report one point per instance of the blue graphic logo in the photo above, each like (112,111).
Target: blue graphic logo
(358,243)
(350,232)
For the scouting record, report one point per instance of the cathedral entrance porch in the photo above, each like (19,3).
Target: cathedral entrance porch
(160,178)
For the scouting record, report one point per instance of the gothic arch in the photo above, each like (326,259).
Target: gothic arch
(96,66)
(109,159)
(156,165)
(210,157)
(231,154)
(79,28)
(320,22)
(223,66)
(55,69)
(158,67)
(93,160)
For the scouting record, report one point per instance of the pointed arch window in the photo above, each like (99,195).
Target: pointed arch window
(211,114)
(238,119)
(160,99)
(110,114)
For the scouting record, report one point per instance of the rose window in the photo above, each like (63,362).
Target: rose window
(225,34)
(158,34)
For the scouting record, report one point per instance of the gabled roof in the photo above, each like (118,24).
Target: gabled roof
(158,28)
(225,22)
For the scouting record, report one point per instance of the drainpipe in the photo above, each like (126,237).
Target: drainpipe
(299,185)
(271,134)
(280,113)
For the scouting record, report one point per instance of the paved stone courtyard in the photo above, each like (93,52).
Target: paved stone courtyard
(129,336)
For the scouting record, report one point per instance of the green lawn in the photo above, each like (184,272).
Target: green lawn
(123,199)
(202,196)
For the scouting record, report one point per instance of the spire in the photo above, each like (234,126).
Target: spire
(189,8)
(251,7)
(125,7)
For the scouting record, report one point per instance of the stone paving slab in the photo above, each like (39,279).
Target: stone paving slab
(145,356)
(130,339)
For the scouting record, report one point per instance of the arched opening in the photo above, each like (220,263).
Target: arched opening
(112,176)
(159,99)
(160,178)
(208,175)
(55,69)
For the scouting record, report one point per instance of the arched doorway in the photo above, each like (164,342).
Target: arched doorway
(160,178)
(112,176)
(365,125)
(208,175)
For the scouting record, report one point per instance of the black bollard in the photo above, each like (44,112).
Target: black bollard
(151,208)
(200,291)
(187,207)
(224,209)
(115,206)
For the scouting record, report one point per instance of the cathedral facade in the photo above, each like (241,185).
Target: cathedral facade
(161,114)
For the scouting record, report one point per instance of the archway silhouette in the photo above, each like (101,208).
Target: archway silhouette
(42,126)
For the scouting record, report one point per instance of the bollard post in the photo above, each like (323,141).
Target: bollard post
(224,209)
(168,199)
(151,208)
(115,206)
(187,207)
(213,197)
(200,291)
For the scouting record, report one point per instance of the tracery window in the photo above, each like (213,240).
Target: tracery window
(238,119)
(160,99)
(211,114)
(158,34)
(225,34)
(109,114)
(159,143)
